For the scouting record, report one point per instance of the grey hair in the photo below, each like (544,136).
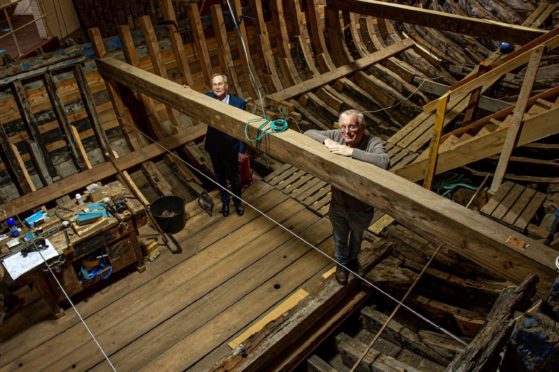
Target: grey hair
(358,114)
(216,75)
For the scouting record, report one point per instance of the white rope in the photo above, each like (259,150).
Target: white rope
(249,64)
(72,304)
(436,326)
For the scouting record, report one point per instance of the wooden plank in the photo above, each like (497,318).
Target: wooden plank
(286,183)
(284,175)
(521,203)
(28,182)
(58,108)
(124,118)
(194,274)
(483,146)
(77,140)
(99,172)
(248,65)
(158,66)
(89,106)
(156,179)
(297,184)
(176,41)
(226,58)
(508,201)
(32,127)
(488,29)
(342,71)
(271,344)
(191,315)
(485,103)
(435,140)
(487,79)
(437,218)
(317,33)
(495,200)
(193,14)
(529,212)
(15,166)
(311,190)
(277,172)
(517,116)
(276,312)
(265,46)
(38,160)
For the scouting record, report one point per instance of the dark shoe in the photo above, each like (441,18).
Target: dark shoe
(341,275)
(356,267)
(240,209)
(225,210)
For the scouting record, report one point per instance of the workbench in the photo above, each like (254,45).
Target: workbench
(114,238)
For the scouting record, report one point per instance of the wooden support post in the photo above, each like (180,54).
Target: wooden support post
(176,42)
(123,116)
(89,106)
(317,33)
(282,41)
(435,141)
(225,57)
(32,127)
(14,164)
(238,14)
(265,47)
(27,181)
(518,113)
(58,108)
(475,96)
(38,161)
(193,14)
(146,115)
(302,36)
(76,138)
(158,67)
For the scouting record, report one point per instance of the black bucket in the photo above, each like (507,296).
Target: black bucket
(172,205)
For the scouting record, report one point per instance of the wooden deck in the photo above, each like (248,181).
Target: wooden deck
(182,312)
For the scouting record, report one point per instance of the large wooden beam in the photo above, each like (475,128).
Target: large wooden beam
(342,71)
(502,250)
(99,172)
(487,29)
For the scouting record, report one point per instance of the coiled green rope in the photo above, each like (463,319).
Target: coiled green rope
(269,126)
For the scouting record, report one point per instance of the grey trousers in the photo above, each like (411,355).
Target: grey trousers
(347,231)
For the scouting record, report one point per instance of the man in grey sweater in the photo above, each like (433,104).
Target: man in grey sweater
(350,216)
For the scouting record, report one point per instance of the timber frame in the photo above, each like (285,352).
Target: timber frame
(483,241)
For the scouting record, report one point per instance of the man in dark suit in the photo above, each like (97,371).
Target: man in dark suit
(226,151)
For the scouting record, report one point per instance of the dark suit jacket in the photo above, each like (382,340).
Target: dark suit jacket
(217,141)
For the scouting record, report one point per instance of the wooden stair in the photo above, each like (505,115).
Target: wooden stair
(485,137)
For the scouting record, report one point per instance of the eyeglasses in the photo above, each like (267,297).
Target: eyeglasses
(349,128)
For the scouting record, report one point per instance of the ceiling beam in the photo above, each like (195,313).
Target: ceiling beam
(496,247)
(483,28)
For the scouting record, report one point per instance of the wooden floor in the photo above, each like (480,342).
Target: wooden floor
(184,309)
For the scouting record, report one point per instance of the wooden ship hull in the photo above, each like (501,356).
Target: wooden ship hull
(245,293)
